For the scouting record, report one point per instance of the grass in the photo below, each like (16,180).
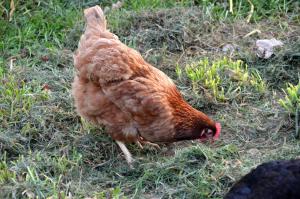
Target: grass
(292,99)
(30,26)
(225,78)
(47,151)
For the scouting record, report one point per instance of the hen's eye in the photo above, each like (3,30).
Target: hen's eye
(209,132)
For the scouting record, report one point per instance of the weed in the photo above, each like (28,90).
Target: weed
(198,166)
(34,27)
(291,100)
(178,71)
(138,5)
(18,98)
(224,77)
(6,174)
(119,21)
(253,10)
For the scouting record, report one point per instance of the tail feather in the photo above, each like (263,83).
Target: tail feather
(95,19)
(95,29)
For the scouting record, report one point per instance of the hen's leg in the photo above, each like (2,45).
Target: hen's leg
(127,154)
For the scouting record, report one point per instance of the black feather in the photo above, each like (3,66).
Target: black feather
(271,180)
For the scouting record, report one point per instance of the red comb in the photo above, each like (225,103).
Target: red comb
(218,131)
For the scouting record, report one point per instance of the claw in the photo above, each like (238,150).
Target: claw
(141,141)
(152,144)
(139,144)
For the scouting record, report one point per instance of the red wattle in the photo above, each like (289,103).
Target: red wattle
(218,132)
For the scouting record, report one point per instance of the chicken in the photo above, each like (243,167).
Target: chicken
(137,103)
(271,180)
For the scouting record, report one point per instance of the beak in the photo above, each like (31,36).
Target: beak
(202,133)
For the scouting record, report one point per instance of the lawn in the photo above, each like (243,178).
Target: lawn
(48,151)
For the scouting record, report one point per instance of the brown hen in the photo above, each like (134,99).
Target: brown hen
(114,86)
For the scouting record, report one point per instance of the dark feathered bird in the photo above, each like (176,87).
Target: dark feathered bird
(271,180)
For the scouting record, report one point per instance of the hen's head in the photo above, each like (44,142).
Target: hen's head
(210,133)
(192,124)
(201,128)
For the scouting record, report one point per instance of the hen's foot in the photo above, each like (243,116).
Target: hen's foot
(139,144)
(141,141)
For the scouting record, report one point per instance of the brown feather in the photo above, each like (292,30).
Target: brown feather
(116,87)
